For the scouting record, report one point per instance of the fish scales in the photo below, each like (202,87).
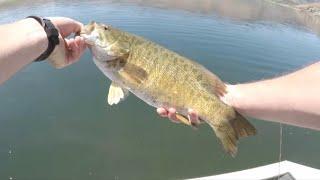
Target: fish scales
(163,78)
(159,76)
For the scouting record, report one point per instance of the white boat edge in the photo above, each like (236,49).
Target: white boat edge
(298,171)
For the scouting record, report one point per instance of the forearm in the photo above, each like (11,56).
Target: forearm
(292,99)
(21,43)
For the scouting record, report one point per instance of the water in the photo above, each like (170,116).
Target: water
(56,124)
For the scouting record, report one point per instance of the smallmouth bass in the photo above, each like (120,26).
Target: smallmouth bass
(163,78)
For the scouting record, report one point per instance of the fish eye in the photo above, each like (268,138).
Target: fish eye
(105,28)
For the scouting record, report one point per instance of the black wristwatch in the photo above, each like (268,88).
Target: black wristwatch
(52,34)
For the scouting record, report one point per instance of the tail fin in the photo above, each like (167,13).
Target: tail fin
(242,126)
(231,130)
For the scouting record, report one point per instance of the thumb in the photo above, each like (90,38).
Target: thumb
(58,56)
(66,26)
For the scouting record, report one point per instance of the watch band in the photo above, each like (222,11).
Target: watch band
(52,35)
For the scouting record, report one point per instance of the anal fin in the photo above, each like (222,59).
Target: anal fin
(185,120)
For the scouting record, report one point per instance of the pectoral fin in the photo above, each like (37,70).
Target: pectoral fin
(116,94)
(133,74)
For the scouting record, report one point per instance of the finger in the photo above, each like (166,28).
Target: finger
(172,115)
(78,41)
(193,116)
(76,48)
(66,26)
(162,112)
(82,46)
(73,50)
(76,53)
(227,97)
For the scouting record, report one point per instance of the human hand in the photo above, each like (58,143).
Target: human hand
(171,114)
(69,50)
(192,114)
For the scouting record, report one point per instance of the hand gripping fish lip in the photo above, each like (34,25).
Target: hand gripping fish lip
(92,39)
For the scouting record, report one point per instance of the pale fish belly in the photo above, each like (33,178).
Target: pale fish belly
(104,70)
(152,101)
(100,59)
(144,95)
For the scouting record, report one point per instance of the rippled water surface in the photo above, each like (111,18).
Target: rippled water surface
(56,124)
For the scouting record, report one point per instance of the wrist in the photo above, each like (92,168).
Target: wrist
(52,35)
(248,99)
(36,35)
(231,96)
(237,97)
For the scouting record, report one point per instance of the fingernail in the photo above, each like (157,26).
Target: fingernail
(172,110)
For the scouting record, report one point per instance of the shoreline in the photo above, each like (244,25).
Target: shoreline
(312,8)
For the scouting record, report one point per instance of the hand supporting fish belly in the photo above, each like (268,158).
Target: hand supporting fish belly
(163,78)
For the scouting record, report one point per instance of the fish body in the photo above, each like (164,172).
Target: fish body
(163,78)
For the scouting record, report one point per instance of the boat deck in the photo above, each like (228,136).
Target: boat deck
(288,171)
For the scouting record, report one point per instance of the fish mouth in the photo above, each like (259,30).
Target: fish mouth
(94,43)
(87,38)
(90,35)
(92,39)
